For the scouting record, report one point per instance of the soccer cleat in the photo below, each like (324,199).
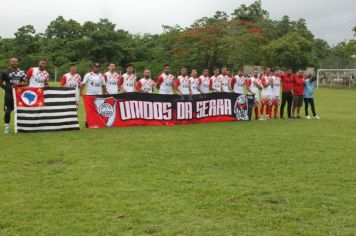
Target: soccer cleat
(7,130)
(316,117)
(261,118)
(307,117)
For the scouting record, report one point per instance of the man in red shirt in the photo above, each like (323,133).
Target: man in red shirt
(298,93)
(287,96)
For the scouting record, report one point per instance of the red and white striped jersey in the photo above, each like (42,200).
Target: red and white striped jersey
(182,84)
(145,85)
(194,85)
(37,77)
(215,83)
(253,84)
(204,84)
(266,91)
(128,82)
(112,81)
(225,82)
(276,90)
(71,81)
(238,83)
(165,83)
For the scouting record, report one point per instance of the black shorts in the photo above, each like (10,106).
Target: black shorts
(8,103)
(298,101)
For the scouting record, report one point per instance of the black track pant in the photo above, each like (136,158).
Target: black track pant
(287,97)
(310,101)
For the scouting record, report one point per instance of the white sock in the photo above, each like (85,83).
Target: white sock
(7,125)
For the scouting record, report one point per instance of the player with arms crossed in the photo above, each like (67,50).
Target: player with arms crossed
(238,82)
(72,80)
(215,81)
(165,81)
(182,83)
(128,80)
(266,95)
(204,83)
(194,82)
(253,86)
(11,78)
(37,77)
(112,79)
(146,84)
(276,93)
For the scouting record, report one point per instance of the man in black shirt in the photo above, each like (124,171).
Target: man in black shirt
(11,78)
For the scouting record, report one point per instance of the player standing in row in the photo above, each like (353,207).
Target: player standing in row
(266,95)
(287,96)
(146,84)
(112,79)
(72,80)
(165,81)
(37,77)
(128,80)
(94,82)
(276,93)
(215,81)
(238,82)
(11,78)
(194,82)
(298,94)
(225,80)
(253,85)
(204,82)
(182,83)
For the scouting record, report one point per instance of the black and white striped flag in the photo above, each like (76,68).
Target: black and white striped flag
(45,109)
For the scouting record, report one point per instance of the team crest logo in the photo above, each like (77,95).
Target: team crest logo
(241,108)
(106,108)
(29,98)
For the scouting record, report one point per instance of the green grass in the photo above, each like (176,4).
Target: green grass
(237,178)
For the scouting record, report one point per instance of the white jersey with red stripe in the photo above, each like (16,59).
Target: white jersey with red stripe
(112,81)
(238,83)
(145,85)
(183,84)
(253,84)
(128,82)
(215,83)
(71,81)
(165,83)
(204,84)
(276,90)
(94,83)
(266,91)
(225,82)
(36,77)
(194,85)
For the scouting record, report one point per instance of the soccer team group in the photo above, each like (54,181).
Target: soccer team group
(271,89)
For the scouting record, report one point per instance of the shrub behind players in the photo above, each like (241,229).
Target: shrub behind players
(298,93)
(112,80)
(238,82)
(204,83)
(266,95)
(11,78)
(182,83)
(194,82)
(94,82)
(146,84)
(72,80)
(215,81)
(37,77)
(128,80)
(165,81)
(276,93)
(253,85)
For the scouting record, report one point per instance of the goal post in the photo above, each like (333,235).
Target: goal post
(341,77)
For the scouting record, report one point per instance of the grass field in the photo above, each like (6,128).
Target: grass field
(292,177)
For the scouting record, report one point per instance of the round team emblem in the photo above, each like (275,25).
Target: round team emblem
(29,98)
(106,110)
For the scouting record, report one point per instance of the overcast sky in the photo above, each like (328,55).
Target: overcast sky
(331,20)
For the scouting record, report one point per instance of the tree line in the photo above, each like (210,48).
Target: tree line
(247,36)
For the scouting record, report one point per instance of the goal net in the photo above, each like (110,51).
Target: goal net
(336,78)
